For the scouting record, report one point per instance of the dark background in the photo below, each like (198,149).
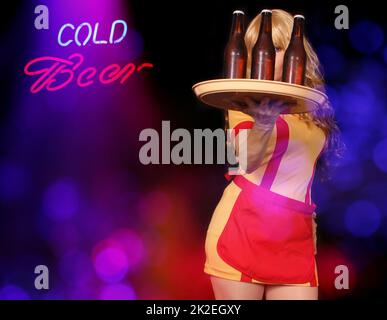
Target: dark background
(84,143)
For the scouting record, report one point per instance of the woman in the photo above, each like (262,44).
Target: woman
(261,238)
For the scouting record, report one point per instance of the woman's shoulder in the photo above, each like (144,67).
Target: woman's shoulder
(299,119)
(303,125)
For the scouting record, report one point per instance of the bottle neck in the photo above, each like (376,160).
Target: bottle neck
(298,28)
(238,24)
(265,23)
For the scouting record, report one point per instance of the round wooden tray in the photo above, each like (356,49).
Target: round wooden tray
(220,92)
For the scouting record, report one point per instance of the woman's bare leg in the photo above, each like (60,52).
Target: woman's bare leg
(273,292)
(236,290)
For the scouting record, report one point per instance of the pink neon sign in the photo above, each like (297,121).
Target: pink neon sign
(61,72)
(54,73)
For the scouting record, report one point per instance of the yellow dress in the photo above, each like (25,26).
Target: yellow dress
(290,160)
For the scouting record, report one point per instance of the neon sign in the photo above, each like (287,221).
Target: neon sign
(61,72)
(90,32)
(55,73)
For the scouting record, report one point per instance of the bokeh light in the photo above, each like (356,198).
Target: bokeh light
(110,261)
(133,245)
(117,292)
(332,60)
(12,292)
(348,176)
(383,126)
(61,199)
(76,268)
(380,155)
(375,191)
(362,218)
(13,181)
(357,98)
(366,36)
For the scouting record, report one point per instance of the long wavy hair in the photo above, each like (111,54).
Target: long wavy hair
(323,117)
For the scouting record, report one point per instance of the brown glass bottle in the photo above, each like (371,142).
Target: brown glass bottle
(235,53)
(263,53)
(295,55)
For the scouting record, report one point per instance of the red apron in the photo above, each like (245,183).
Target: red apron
(269,237)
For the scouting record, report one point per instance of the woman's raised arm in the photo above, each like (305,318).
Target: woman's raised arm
(265,114)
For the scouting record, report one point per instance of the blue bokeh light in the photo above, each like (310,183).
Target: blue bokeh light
(358,143)
(12,181)
(61,199)
(371,71)
(380,155)
(362,218)
(348,176)
(383,126)
(375,191)
(357,99)
(13,292)
(76,267)
(366,36)
(333,95)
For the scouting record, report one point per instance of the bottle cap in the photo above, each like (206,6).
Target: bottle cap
(266,10)
(299,16)
(238,12)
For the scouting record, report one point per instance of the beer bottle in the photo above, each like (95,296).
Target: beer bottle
(263,53)
(295,55)
(235,53)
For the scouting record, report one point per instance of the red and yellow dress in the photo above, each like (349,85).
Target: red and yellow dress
(262,228)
